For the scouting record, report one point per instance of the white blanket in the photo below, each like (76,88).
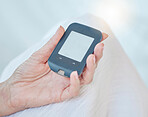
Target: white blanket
(116,91)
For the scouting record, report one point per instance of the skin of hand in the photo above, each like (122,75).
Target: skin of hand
(33,84)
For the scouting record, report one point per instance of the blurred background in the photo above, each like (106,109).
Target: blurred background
(24,22)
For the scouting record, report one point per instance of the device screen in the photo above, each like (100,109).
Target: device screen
(76,46)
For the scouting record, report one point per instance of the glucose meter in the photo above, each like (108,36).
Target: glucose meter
(70,54)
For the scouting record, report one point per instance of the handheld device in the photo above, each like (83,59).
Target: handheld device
(70,54)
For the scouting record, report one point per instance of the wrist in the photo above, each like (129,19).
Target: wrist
(5,106)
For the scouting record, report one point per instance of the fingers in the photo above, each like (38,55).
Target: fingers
(73,89)
(98,51)
(74,84)
(91,63)
(104,36)
(43,53)
(87,75)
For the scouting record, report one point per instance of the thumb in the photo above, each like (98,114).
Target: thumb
(43,53)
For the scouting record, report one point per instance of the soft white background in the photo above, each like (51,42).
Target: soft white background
(24,22)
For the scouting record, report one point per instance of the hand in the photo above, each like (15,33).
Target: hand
(33,83)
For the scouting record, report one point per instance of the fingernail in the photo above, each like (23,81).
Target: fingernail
(106,35)
(94,59)
(76,74)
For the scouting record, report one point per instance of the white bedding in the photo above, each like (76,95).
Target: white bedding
(116,91)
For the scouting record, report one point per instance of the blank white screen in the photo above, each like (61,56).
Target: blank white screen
(76,46)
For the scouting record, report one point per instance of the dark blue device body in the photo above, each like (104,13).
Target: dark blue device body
(58,62)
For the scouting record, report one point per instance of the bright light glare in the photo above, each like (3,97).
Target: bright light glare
(115,13)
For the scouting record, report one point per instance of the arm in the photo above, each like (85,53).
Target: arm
(33,84)
(5,107)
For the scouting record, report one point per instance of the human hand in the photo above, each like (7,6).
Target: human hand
(33,83)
